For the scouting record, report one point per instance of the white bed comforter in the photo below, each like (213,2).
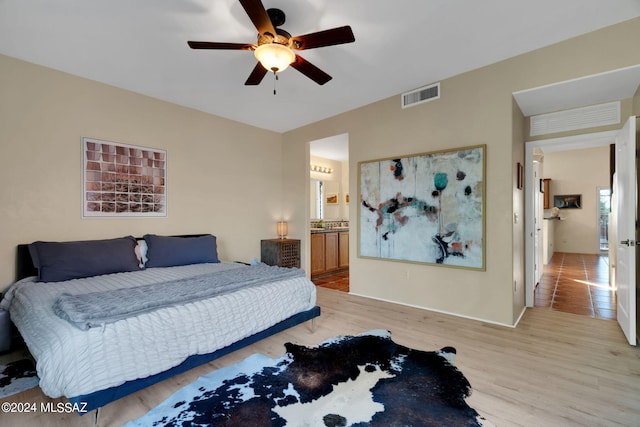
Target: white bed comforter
(72,362)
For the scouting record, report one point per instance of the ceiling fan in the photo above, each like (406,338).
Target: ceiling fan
(275,47)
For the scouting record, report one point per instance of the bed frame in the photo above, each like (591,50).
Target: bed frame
(95,400)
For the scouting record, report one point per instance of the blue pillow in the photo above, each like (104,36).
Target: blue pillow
(58,261)
(169,251)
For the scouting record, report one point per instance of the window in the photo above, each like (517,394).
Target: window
(604,208)
(316,199)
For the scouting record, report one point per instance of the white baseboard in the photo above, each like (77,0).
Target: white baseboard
(443,311)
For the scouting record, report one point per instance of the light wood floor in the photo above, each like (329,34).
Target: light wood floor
(554,369)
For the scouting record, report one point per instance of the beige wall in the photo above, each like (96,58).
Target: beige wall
(577,172)
(474,108)
(214,186)
(223,177)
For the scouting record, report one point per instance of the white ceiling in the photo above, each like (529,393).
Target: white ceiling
(333,147)
(588,90)
(140,45)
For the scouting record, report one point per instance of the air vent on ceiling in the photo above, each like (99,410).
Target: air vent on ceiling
(419,96)
(577,118)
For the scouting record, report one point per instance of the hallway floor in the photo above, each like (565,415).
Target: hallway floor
(579,284)
(339,281)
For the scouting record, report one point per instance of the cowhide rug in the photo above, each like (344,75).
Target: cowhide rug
(366,380)
(16,377)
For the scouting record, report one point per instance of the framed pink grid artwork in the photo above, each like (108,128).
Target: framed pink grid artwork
(122,180)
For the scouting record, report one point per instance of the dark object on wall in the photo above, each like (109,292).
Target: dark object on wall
(568,201)
(612,164)
(520,177)
(545,185)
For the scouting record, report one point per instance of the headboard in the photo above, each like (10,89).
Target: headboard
(24,263)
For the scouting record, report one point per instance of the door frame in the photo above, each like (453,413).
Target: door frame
(597,139)
(537,260)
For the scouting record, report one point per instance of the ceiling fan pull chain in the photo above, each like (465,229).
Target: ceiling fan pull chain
(275,79)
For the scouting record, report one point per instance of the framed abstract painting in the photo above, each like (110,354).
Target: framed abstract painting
(123,180)
(424,208)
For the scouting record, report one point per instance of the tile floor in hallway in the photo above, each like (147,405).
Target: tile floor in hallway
(339,281)
(579,284)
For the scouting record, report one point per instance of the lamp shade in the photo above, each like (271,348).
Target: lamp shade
(274,56)
(282,229)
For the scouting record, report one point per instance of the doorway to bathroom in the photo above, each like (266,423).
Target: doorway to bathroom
(329,212)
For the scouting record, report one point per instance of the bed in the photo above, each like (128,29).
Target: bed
(106,318)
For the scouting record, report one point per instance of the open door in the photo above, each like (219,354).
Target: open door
(625,217)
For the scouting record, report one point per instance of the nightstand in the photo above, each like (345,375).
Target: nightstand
(281,252)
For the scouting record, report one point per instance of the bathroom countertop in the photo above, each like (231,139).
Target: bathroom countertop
(329,230)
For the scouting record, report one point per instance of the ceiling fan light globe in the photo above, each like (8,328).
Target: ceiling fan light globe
(274,56)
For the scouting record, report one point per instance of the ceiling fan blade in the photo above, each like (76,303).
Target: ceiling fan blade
(330,37)
(224,46)
(256,75)
(259,16)
(310,70)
